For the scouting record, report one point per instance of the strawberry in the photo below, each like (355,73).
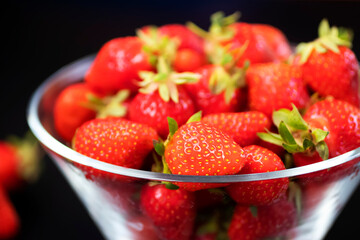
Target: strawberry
(140,226)
(114,140)
(199,149)
(242,127)
(117,64)
(275,39)
(261,222)
(70,109)
(225,31)
(225,95)
(329,66)
(259,160)
(9,219)
(183,48)
(19,161)
(160,97)
(171,211)
(275,85)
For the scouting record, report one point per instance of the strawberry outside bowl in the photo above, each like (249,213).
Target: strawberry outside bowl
(315,197)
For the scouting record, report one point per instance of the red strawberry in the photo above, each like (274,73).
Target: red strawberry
(257,50)
(329,66)
(70,110)
(275,39)
(187,39)
(199,149)
(188,60)
(225,31)
(19,162)
(140,226)
(114,140)
(152,110)
(275,85)
(171,211)
(117,64)
(242,126)
(261,222)
(259,192)
(228,99)
(160,97)
(9,220)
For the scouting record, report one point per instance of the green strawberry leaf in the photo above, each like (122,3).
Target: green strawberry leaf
(323,150)
(254,211)
(286,134)
(195,118)
(319,135)
(171,186)
(280,116)
(324,28)
(173,126)
(159,147)
(292,118)
(292,148)
(271,138)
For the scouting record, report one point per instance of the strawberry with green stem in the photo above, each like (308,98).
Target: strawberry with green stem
(116,141)
(199,149)
(221,86)
(161,97)
(117,64)
(180,46)
(328,64)
(298,136)
(226,31)
(19,161)
(265,192)
(171,211)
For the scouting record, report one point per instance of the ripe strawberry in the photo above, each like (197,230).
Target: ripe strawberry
(171,211)
(160,97)
(19,161)
(140,226)
(225,31)
(212,97)
(259,160)
(117,64)
(114,140)
(275,85)
(329,66)
(342,121)
(188,60)
(261,222)
(275,39)
(152,110)
(70,109)
(187,39)
(199,149)
(183,48)
(242,127)
(9,220)
(257,51)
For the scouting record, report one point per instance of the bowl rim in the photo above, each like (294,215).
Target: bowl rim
(51,143)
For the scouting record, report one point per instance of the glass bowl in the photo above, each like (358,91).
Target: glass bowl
(321,189)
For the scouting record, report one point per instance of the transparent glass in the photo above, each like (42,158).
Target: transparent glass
(325,187)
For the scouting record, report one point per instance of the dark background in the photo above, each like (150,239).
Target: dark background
(37,38)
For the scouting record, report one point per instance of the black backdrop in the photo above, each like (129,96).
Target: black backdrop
(40,37)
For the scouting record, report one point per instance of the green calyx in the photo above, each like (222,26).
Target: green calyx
(330,38)
(165,81)
(109,106)
(295,135)
(30,155)
(218,30)
(156,45)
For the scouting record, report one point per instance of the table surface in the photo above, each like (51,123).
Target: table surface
(41,37)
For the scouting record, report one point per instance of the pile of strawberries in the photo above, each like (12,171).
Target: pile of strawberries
(231,100)
(19,164)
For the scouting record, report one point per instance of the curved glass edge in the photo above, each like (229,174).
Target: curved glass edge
(79,67)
